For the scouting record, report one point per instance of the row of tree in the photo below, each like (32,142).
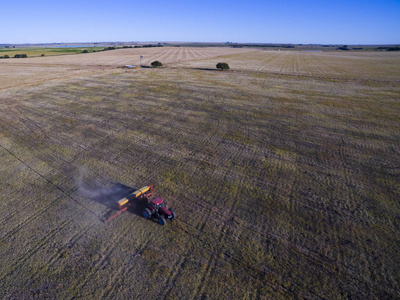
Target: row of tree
(15,56)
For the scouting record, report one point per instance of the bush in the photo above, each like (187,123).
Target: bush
(343,48)
(222,66)
(20,56)
(6,56)
(42,54)
(156,64)
(85,51)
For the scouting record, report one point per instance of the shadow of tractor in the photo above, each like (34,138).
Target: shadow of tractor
(111,195)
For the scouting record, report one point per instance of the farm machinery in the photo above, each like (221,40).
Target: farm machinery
(155,208)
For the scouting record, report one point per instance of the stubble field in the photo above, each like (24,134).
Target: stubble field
(284,173)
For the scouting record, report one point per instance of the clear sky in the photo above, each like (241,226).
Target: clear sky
(258,21)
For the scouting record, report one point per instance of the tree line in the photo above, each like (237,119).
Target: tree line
(15,56)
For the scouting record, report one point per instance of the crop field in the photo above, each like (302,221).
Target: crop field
(284,172)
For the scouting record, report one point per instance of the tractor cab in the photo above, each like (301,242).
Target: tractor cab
(157,208)
(156,203)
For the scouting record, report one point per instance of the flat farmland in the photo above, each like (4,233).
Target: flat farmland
(284,173)
(15,72)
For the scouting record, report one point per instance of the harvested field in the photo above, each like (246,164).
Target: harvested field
(34,70)
(284,173)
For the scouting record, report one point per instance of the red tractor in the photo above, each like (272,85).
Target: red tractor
(157,208)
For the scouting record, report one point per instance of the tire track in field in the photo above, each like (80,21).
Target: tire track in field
(205,142)
(84,147)
(155,128)
(212,259)
(253,271)
(205,276)
(106,294)
(94,150)
(315,257)
(173,276)
(26,221)
(49,181)
(199,230)
(225,215)
(34,128)
(227,158)
(162,143)
(39,245)
(197,152)
(65,249)
(70,243)
(99,264)
(123,268)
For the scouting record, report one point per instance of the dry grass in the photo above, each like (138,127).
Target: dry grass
(286,185)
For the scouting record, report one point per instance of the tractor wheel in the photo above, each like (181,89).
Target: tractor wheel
(172,213)
(161,220)
(147,213)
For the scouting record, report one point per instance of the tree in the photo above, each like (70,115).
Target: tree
(20,56)
(222,66)
(156,64)
(344,47)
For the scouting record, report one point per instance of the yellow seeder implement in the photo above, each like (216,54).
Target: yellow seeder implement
(144,193)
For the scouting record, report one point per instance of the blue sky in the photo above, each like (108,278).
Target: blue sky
(306,21)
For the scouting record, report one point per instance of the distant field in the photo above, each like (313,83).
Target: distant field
(17,72)
(284,173)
